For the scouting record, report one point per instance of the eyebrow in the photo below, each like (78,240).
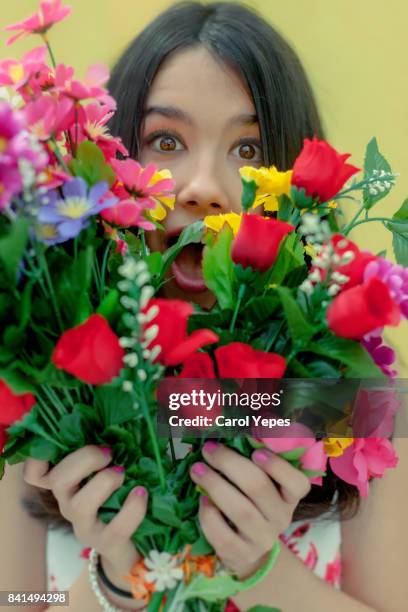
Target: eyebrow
(171,112)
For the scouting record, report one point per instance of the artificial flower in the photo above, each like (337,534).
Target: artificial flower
(70,215)
(239,360)
(361,309)
(170,323)
(16,74)
(90,87)
(92,125)
(374,413)
(90,351)
(48,117)
(257,241)
(268,180)
(382,354)
(320,170)
(12,408)
(198,365)
(163,570)
(50,13)
(128,213)
(217,222)
(394,276)
(364,459)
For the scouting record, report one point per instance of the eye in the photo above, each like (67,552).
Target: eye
(250,149)
(164,141)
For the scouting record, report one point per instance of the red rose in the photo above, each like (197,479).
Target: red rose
(90,352)
(199,365)
(12,408)
(257,241)
(172,318)
(320,170)
(239,360)
(361,309)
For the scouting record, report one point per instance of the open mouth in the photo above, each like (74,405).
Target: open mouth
(187,267)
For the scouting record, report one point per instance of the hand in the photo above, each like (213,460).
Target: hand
(257,497)
(80,505)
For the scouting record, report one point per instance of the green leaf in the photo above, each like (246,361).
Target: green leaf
(114,404)
(249,189)
(12,247)
(217,269)
(299,328)
(348,352)
(313,473)
(263,609)
(374,160)
(191,233)
(109,308)
(294,454)
(154,263)
(290,258)
(90,164)
(399,241)
(201,546)
(43,450)
(165,509)
(285,208)
(71,430)
(402,212)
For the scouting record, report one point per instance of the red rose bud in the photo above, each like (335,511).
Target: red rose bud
(361,309)
(257,241)
(90,352)
(172,319)
(320,170)
(13,406)
(239,360)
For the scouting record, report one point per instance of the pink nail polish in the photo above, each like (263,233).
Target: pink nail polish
(199,469)
(140,491)
(106,450)
(210,446)
(260,456)
(118,468)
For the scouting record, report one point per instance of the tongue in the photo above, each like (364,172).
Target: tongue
(187,269)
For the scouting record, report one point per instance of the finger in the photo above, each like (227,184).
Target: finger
(34,473)
(82,508)
(250,479)
(293,484)
(228,545)
(132,513)
(66,476)
(232,503)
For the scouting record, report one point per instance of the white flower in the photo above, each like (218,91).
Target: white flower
(163,571)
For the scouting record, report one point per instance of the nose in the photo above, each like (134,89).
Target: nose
(203,191)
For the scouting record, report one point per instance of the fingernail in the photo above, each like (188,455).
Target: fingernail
(210,446)
(106,450)
(199,469)
(260,456)
(118,468)
(140,491)
(204,500)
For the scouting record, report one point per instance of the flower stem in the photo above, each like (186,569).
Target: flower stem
(59,157)
(153,439)
(53,397)
(241,292)
(45,39)
(143,241)
(350,225)
(382,219)
(43,262)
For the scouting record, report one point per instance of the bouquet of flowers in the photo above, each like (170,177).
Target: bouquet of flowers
(86,338)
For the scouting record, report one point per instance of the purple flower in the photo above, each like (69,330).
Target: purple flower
(394,276)
(382,355)
(64,218)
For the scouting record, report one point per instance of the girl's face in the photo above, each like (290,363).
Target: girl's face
(201,124)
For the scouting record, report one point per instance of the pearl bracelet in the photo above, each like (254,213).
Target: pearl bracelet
(93,579)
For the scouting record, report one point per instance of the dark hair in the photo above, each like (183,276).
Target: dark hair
(287,113)
(238,36)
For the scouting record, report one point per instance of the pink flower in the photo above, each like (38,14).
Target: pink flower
(89,88)
(296,437)
(364,459)
(50,12)
(16,73)
(127,213)
(333,571)
(93,126)
(48,117)
(374,412)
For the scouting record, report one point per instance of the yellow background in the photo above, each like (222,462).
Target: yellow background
(355,52)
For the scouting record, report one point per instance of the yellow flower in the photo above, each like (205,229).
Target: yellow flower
(159,212)
(268,201)
(269,180)
(217,222)
(309,250)
(332,204)
(335,447)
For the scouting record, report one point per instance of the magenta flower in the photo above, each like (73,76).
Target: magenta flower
(92,125)
(292,438)
(127,213)
(48,117)
(16,73)
(382,355)
(10,184)
(50,12)
(364,459)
